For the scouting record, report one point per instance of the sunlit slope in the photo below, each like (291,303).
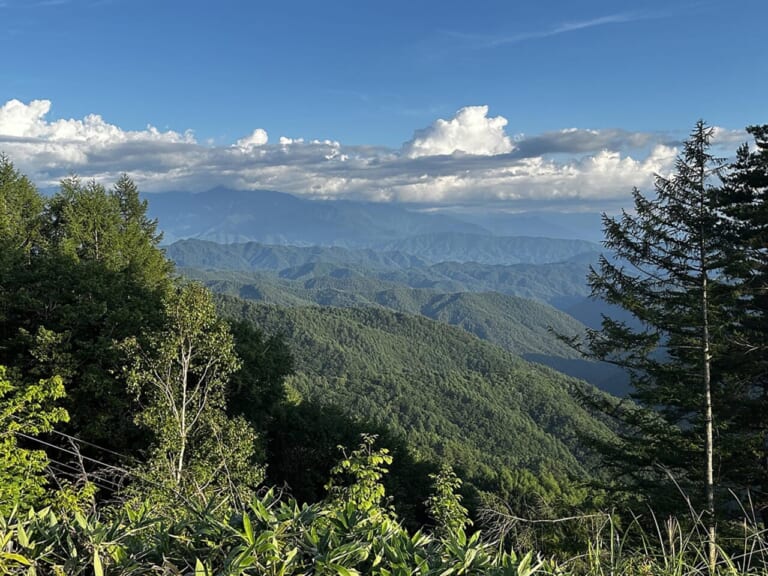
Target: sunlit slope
(449,393)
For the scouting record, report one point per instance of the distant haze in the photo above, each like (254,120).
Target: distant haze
(225,215)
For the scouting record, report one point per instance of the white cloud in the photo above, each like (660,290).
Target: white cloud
(607,176)
(258,137)
(729,138)
(469,131)
(576,166)
(285,141)
(28,121)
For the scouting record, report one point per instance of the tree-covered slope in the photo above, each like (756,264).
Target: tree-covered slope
(522,326)
(518,325)
(452,395)
(495,302)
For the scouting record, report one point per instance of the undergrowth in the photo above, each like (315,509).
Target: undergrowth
(353,531)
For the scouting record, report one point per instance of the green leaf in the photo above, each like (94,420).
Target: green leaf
(11,556)
(22,537)
(342,571)
(98,568)
(80,519)
(248,527)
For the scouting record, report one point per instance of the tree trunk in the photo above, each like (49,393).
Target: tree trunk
(706,359)
(182,420)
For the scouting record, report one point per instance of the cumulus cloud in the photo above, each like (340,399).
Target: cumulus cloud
(467,159)
(258,137)
(29,121)
(470,131)
(49,147)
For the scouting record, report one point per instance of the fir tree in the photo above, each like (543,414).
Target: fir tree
(666,270)
(746,195)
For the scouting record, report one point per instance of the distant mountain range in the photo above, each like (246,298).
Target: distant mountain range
(473,273)
(566,225)
(554,270)
(225,215)
(484,249)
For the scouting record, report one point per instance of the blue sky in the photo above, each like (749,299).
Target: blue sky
(583,97)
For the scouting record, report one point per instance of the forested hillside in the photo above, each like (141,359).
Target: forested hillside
(450,394)
(480,298)
(517,324)
(524,327)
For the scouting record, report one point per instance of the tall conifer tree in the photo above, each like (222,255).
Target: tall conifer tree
(668,258)
(746,195)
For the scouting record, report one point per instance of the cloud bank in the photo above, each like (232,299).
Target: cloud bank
(466,159)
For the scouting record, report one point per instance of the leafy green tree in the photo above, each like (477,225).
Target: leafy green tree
(27,410)
(356,479)
(84,221)
(84,269)
(139,236)
(180,379)
(92,224)
(669,259)
(444,505)
(21,207)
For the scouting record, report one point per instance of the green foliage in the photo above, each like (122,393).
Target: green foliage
(84,220)
(302,448)
(357,477)
(20,212)
(273,535)
(256,389)
(27,410)
(527,511)
(180,379)
(78,272)
(139,237)
(444,505)
(89,223)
